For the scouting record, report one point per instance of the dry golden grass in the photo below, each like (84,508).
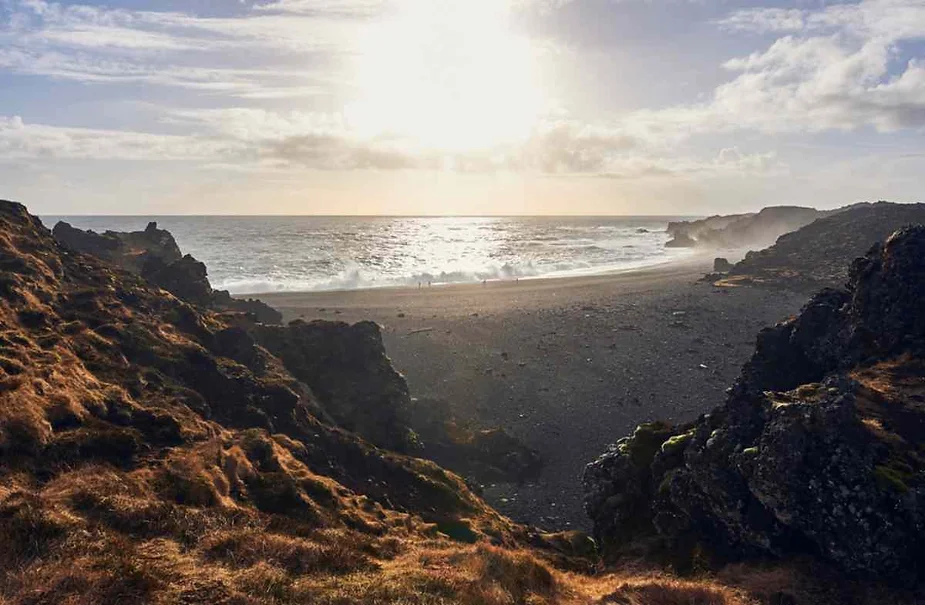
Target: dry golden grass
(118,486)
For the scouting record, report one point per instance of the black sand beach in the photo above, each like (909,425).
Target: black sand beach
(568,365)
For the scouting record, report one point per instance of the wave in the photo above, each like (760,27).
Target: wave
(360,278)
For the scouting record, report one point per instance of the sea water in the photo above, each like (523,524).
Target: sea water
(252,254)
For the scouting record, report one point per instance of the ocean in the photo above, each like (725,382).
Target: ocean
(253,254)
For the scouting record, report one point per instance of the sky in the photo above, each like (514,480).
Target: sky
(413,107)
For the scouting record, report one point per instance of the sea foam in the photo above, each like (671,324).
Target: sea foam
(272,254)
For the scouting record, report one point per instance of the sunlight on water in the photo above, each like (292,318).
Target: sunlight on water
(261,254)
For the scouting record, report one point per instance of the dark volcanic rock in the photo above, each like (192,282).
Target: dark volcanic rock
(104,377)
(130,250)
(346,366)
(819,254)
(185,278)
(818,449)
(681,240)
(721,265)
(685,232)
(154,254)
(740,230)
(223,301)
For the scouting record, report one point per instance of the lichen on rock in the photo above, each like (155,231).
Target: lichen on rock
(818,449)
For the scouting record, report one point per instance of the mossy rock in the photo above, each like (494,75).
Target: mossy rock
(646,441)
(677,443)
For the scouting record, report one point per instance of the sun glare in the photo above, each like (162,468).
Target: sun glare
(448,76)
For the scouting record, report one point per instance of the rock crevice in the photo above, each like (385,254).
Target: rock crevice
(818,449)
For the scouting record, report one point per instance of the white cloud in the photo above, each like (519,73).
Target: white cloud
(834,68)
(258,55)
(345,8)
(22,140)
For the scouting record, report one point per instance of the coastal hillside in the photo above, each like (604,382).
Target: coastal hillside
(344,365)
(156,451)
(755,230)
(150,452)
(820,254)
(155,255)
(818,450)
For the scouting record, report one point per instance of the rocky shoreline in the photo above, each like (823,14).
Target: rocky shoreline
(563,364)
(156,450)
(816,451)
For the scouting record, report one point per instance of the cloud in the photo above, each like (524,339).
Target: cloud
(342,8)
(258,54)
(22,140)
(729,162)
(568,147)
(245,139)
(836,68)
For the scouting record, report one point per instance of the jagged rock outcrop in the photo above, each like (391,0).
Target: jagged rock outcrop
(151,452)
(348,369)
(819,254)
(345,366)
(818,449)
(130,250)
(684,233)
(155,255)
(721,265)
(186,278)
(741,230)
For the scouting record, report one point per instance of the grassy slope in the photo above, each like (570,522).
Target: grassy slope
(140,464)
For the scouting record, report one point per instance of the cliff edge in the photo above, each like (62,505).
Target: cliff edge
(817,451)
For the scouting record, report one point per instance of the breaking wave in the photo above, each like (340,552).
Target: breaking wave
(248,255)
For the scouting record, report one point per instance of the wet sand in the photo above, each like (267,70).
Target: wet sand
(568,365)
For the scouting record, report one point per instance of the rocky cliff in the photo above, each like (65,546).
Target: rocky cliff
(755,230)
(820,254)
(152,452)
(817,451)
(155,255)
(345,366)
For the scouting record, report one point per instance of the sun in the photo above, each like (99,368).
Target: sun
(448,76)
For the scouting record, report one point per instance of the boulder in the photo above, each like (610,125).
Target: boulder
(817,451)
(721,265)
(185,278)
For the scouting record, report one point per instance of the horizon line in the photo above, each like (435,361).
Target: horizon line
(54,214)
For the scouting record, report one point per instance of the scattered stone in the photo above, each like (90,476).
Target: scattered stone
(817,450)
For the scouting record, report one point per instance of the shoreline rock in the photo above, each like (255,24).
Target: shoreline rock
(757,229)
(819,255)
(817,450)
(154,255)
